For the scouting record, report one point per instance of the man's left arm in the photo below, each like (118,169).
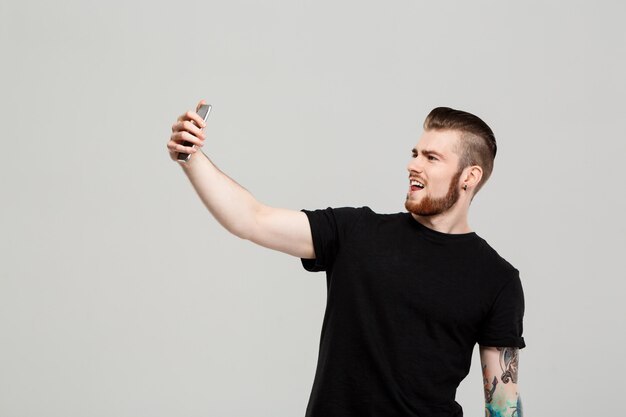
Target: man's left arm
(500,370)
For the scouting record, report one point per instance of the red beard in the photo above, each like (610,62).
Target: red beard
(429,206)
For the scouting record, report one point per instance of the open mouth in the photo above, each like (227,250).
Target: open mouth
(416,185)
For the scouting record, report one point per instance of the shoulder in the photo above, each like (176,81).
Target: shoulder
(493,262)
(342,219)
(368,218)
(341,213)
(352,218)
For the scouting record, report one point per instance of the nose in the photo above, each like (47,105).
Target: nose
(414,165)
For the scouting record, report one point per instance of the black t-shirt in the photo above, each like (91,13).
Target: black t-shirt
(405,307)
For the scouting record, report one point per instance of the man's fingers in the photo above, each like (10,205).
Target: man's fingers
(193,116)
(188,126)
(181,147)
(192,128)
(183,136)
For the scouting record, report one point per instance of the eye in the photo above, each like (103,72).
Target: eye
(432,158)
(413,155)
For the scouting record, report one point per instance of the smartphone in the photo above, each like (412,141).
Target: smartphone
(203,112)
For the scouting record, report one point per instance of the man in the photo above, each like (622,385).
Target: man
(409,294)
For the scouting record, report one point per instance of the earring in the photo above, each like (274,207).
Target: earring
(464,187)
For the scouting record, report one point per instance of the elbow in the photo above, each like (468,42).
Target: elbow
(241,230)
(245,228)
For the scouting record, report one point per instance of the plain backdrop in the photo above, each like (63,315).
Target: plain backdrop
(121,296)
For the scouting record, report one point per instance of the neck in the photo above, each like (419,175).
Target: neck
(453,221)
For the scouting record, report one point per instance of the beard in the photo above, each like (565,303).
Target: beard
(429,206)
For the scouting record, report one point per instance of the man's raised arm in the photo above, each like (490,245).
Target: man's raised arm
(233,206)
(500,365)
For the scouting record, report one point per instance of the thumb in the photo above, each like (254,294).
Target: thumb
(200,103)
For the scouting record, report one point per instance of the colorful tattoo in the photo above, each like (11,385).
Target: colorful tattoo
(500,404)
(511,409)
(518,408)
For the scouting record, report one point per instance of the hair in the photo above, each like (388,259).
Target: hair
(477,145)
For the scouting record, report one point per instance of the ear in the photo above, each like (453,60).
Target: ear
(471,176)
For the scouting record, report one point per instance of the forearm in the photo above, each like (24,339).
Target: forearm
(500,376)
(233,206)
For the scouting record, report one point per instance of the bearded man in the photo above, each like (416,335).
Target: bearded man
(409,294)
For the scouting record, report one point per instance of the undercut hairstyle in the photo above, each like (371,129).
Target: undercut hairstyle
(477,145)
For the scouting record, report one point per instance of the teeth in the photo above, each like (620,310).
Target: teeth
(417,183)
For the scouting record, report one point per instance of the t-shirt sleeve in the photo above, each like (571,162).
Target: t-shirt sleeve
(503,326)
(329,230)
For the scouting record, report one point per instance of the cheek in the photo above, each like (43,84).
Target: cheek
(439,182)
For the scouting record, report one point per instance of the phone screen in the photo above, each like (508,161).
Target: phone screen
(204,110)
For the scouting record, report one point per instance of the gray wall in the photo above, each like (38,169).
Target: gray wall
(121,296)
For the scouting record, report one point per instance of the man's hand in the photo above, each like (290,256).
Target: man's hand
(187,128)
(500,372)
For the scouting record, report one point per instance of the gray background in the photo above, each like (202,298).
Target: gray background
(121,296)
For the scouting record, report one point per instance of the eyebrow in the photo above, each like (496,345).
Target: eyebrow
(428,152)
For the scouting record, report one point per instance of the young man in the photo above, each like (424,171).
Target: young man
(409,294)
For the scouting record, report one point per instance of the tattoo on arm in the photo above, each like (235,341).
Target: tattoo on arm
(489,390)
(509,359)
(518,408)
(515,409)
(495,404)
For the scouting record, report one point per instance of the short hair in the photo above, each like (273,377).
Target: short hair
(477,145)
